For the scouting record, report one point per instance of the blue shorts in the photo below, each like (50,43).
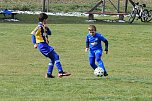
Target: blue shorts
(44,48)
(92,53)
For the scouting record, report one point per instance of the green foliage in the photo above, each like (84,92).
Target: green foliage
(128,63)
(23,6)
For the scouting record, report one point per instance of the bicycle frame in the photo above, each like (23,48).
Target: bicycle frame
(139,12)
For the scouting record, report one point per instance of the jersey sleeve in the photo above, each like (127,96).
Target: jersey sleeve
(106,45)
(48,31)
(102,38)
(87,42)
(34,33)
(33,39)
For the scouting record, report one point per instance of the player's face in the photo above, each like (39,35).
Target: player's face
(92,32)
(45,21)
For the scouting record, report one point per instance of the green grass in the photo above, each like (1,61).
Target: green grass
(66,5)
(30,19)
(128,63)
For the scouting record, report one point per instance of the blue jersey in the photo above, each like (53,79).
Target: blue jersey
(94,42)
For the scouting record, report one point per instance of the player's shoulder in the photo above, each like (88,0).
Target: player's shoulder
(98,34)
(88,35)
(36,29)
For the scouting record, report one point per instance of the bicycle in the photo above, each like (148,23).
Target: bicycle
(149,16)
(139,12)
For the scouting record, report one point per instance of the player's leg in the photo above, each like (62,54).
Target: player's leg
(45,49)
(92,59)
(50,69)
(92,62)
(98,55)
(55,57)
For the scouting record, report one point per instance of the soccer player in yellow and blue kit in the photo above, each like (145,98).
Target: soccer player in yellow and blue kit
(40,41)
(93,45)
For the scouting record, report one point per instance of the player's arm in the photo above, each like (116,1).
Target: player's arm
(48,31)
(87,45)
(34,41)
(102,38)
(33,33)
(106,46)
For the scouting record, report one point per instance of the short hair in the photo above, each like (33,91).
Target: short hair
(93,27)
(42,16)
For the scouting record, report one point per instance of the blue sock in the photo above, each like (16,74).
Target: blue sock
(55,58)
(59,66)
(50,68)
(100,62)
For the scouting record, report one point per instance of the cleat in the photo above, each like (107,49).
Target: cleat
(105,74)
(49,76)
(60,75)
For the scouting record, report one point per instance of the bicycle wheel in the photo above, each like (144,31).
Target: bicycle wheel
(149,16)
(132,16)
(144,15)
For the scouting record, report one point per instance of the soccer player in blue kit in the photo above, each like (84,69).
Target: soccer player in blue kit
(93,45)
(40,41)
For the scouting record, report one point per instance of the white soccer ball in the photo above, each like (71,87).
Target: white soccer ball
(99,72)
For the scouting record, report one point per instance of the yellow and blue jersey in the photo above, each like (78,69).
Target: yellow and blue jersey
(40,37)
(40,34)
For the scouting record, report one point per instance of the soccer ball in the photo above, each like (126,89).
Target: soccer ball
(99,72)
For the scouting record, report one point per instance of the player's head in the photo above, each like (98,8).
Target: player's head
(43,17)
(92,30)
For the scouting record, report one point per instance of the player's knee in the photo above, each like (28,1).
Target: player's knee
(57,57)
(92,63)
(98,59)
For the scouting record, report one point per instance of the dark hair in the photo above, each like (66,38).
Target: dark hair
(42,16)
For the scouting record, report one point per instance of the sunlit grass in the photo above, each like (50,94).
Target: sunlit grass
(66,5)
(128,63)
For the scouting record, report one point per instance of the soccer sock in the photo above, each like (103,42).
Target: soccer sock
(100,62)
(50,68)
(55,58)
(59,66)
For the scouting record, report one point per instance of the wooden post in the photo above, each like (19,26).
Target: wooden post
(96,6)
(118,6)
(47,5)
(126,6)
(121,17)
(103,6)
(43,6)
(91,17)
(133,4)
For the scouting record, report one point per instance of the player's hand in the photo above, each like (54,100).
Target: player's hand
(45,26)
(86,50)
(35,46)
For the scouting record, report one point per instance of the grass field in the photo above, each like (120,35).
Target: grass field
(128,63)
(66,5)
